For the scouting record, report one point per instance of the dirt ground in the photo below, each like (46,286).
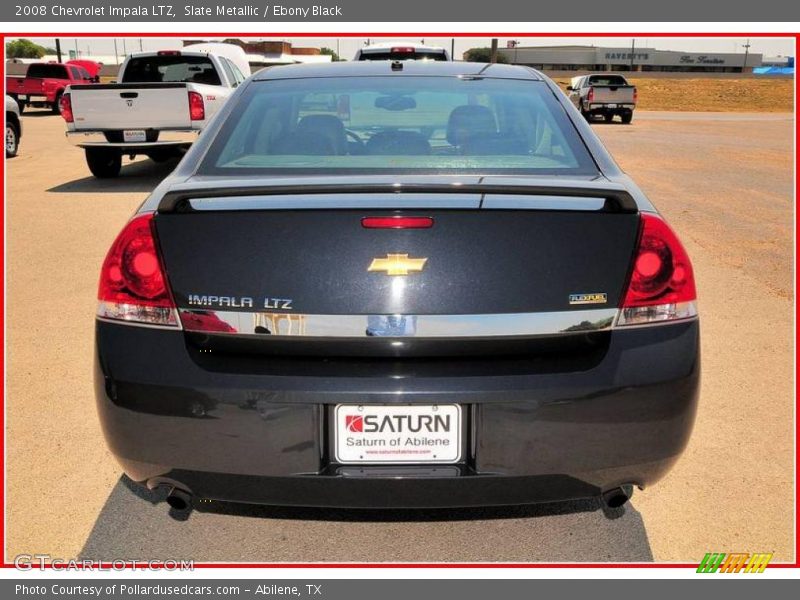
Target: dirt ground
(723,180)
(767,94)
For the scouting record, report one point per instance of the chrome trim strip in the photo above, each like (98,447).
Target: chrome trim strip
(337,201)
(418,326)
(85,139)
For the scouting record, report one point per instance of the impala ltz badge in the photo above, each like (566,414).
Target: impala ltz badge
(397,264)
(239,302)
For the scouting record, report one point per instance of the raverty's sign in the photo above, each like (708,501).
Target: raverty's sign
(627,55)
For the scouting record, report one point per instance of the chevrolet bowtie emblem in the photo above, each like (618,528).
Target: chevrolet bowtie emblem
(397,264)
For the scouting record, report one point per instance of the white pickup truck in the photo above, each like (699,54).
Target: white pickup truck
(603,95)
(161,103)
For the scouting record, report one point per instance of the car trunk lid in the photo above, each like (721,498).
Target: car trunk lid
(303,267)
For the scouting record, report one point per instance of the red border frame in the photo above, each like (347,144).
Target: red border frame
(395,34)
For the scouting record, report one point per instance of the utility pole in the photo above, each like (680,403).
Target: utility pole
(493,58)
(452,48)
(633,49)
(124,48)
(513,44)
(141,49)
(116,52)
(76,48)
(58,49)
(746,52)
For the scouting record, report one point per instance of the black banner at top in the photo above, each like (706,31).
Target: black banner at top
(711,11)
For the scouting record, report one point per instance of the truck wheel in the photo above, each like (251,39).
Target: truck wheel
(586,114)
(103,163)
(608,117)
(627,117)
(56,107)
(12,139)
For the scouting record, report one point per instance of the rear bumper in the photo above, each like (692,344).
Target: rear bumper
(258,430)
(605,108)
(92,139)
(38,98)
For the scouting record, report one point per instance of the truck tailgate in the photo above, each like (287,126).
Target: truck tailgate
(608,94)
(130,106)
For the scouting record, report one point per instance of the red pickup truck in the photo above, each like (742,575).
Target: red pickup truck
(44,83)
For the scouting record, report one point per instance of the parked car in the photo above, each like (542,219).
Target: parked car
(603,95)
(13,127)
(401,51)
(161,103)
(449,295)
(44,83)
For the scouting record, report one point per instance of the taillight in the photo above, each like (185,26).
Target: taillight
(65,106)
(661,286)
(590,95)
(133,285)
(402,50)
(168,53)
(397,222)
(635,95)
(197,111)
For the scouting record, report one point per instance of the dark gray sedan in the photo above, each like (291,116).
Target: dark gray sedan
(397,284)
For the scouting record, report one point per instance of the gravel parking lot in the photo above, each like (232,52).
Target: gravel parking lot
(723,180)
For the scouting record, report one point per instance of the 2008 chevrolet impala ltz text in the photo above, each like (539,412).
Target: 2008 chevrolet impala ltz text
(397,284)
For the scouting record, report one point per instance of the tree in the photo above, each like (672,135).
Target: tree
(23,48)
(332,53)
(50,51)
(483,55)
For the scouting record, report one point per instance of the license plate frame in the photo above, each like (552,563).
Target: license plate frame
(612,106)
(134,135)
(434,444)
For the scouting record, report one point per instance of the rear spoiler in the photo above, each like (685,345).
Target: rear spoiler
(618,201)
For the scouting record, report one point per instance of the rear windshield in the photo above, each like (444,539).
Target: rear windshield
(46,71)
(607,80)
(402,124)
(170,69)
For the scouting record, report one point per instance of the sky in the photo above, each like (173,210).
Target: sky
(348,46)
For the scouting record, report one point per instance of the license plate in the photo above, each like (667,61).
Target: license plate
(134,135)
(612,106)
(23,96)
(382,434)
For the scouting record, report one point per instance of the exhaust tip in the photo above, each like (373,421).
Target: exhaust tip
(179,500)
(617,497)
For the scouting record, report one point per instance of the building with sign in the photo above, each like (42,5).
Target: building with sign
(594,58)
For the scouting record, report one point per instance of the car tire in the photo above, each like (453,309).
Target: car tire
(12,138)
(56,107)
(627,118)
(586,114)
(103,163)
(20,103)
